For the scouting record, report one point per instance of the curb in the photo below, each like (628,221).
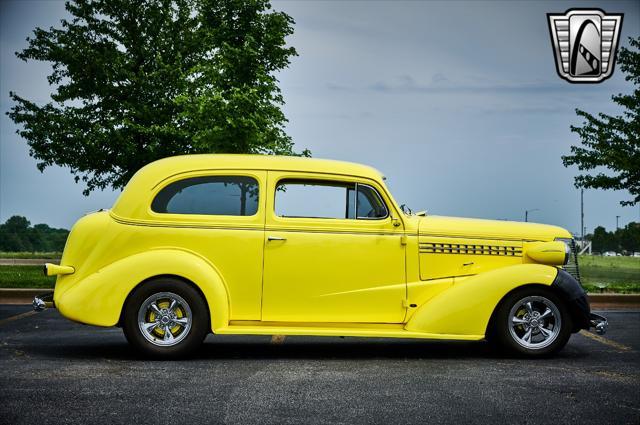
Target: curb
(27,261)
(20,295)
(597,301)
(614,301)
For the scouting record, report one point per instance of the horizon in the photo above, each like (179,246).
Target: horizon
(461,126)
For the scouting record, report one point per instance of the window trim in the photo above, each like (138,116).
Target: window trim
(197,176)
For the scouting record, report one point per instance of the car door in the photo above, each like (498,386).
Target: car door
(328,257)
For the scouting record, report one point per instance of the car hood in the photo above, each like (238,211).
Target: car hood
(489,229)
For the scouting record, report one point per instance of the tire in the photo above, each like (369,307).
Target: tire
(532,321)
(165,305)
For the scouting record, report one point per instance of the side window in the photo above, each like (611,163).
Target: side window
(313,199)
(210,195)
(328,199)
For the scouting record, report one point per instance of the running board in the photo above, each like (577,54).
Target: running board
(383,331)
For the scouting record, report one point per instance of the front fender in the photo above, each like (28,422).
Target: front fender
(98,298)
(466,307)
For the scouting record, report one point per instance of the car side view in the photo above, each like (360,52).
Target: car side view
(264,245)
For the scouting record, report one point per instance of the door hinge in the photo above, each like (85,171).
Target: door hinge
(403,240)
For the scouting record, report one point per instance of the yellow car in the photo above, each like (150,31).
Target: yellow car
(267,245)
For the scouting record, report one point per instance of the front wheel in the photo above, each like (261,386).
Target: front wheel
(532,321)
(165,318)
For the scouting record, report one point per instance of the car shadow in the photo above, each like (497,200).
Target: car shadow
(293,348)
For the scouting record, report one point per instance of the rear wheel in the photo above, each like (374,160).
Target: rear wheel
(165,318)
(532,321)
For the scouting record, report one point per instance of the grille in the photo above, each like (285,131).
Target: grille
(449,248)
(572,265)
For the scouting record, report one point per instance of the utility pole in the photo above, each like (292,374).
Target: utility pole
(582,214)
(617,218)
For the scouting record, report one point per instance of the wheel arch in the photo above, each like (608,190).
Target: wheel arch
(99,298)
(151,279)
(467,306)
(491,323)
(568,290)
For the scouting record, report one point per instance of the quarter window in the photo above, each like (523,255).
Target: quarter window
(209,195)
(369,203)
(328,199)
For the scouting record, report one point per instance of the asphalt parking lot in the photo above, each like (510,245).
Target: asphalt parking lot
(56,371)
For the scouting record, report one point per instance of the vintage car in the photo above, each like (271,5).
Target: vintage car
(268,245)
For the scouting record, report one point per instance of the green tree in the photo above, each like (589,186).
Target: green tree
(611,144)
(17,234)
(139,80)
(14,234)
(630,237)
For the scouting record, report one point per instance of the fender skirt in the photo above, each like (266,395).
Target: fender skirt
(577,302)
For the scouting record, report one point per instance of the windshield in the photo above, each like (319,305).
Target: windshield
(404,207)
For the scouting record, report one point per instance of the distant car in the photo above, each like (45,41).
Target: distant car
(260,245)
(609,254)
(636,254)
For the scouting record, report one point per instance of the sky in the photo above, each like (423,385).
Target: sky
(457,103)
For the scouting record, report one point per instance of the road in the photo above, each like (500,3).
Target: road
(56,371)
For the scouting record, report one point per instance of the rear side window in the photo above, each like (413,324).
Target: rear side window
(209,195)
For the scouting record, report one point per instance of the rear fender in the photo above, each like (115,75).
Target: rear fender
(99,298)
(466,307)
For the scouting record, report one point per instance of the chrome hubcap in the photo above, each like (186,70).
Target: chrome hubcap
(534,322)
(164,319)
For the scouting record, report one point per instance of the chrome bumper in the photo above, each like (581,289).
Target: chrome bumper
(41,302)
(599,322)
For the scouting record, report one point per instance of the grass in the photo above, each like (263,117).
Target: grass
(599,274)
(25,277)
(610,274)
(30,255)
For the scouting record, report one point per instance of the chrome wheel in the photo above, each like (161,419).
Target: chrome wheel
(164,319)
(534,322)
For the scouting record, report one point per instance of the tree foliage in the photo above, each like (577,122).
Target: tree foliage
(17,235)
(138,80)
(612,142)
(626,239)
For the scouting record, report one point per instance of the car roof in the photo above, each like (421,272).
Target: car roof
(178,164)
(154,173)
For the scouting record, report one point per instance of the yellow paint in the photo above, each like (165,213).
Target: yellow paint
(466,307)
(54,269)
(403,276)
(551,253)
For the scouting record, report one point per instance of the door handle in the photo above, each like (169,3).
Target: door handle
(275,238)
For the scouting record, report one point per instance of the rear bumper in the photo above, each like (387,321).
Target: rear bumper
(43,301)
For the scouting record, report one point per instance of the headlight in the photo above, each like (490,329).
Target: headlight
(568,244)
(553,253)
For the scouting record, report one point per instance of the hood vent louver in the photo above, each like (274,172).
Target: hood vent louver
(447,248)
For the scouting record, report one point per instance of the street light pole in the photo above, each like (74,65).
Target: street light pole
(582,214)
(617,218)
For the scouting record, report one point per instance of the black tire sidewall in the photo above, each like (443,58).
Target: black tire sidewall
(200,325)
(500,329)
